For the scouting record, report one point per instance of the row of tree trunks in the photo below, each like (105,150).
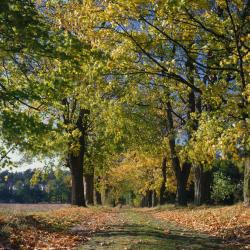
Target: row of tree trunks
(202,186)
(92,194)
(82,191)
(149,199)
(85,194)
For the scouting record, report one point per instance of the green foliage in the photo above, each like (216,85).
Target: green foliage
(156,79)
(222,188)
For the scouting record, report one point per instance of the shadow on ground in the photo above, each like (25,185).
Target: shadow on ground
(138,232)
(12,232)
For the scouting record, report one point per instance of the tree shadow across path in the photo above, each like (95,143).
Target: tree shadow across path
(131,230)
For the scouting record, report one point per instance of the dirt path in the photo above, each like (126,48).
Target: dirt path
(131,230)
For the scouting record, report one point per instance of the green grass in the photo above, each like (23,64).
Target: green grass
(139,231)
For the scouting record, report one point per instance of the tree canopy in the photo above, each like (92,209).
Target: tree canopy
(134,97)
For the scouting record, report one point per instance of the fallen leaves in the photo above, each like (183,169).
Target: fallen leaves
(69,227)
(52,229)
(231,222)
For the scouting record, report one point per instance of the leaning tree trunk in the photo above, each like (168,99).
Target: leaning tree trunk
(164,180)
(246,188)
(198,185)
(89,188)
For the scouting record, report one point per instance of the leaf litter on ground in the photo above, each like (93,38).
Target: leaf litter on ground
(232,223)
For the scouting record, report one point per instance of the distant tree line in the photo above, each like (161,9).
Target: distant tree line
(33,186)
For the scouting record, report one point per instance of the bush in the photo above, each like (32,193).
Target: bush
(223,187)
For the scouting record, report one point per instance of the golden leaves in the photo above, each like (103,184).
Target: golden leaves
(51,230)
(232,222)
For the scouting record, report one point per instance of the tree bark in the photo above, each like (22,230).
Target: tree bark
(147,199)
(75,162)
(89,188)
(244,105)
(143,202)
(207,181)
(198,185)
(149,195)
(182,176)
(97,193)
(154,199)
(246,188)
(77,191)
(98,197)
(164,180)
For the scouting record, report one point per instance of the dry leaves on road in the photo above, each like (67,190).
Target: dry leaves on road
(231,222)
(50,230)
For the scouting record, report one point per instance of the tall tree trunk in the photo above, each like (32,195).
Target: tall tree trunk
(89,188)
(77,191)
(164,180)
(202,186)
(246,188)
(207,181)
(181,174)
(98,195)
(154,199)
(149,198)
(198,185)
(244,104)
(75,162)
(143,201)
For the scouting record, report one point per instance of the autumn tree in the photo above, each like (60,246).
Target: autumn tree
(165,78)
(36,88)
(200,50)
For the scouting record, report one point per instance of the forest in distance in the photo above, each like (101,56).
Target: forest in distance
(140,113)
(24,187)
(54,186)
(142,99)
